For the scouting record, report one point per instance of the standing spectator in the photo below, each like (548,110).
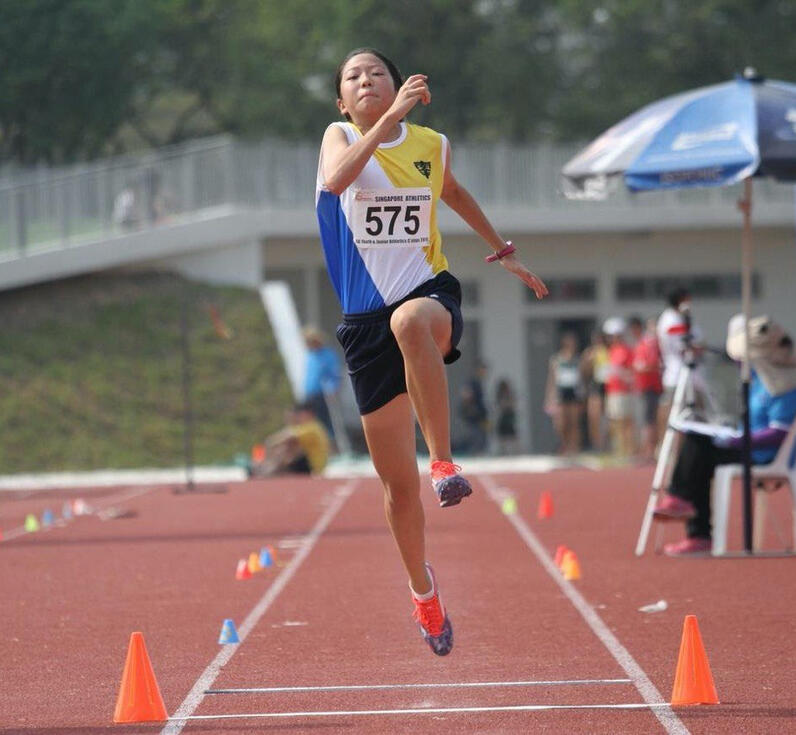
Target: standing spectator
(506,419)
(619,388)
(675,331)
(124,214)
(564,393)
(322,376)
(594,369)
(648,385)
(474,412)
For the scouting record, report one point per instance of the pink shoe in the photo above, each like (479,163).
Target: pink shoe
(689,547)
(672,508)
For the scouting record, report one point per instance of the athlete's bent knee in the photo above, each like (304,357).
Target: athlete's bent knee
(409,325)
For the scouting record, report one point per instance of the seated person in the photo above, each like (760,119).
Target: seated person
(772,410)
(302,447)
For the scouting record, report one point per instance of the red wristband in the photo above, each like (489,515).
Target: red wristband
(500,254)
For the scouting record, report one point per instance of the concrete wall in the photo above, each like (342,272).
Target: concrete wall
(240,264)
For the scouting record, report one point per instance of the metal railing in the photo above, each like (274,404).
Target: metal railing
(55,208)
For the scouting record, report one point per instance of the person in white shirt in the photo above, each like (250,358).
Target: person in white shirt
(675,331)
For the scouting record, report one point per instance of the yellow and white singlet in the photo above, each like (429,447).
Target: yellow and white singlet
(380,236)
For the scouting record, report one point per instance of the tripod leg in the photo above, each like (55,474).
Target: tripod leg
(646,524)
(664,459)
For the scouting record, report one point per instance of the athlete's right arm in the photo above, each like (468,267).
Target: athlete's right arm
(341,162)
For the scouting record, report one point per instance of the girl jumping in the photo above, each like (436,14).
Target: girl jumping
(379,181)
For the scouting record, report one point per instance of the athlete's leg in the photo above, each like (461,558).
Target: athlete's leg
(422,328)
(595,408)
(390,434)
(572,411)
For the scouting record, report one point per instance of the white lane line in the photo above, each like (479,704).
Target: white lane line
(456,685)
(670,721)
(654,706)
(120,497)
(208,676)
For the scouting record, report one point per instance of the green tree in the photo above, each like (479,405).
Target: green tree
(69,74)
(86,77)
(491,63)
(623,54)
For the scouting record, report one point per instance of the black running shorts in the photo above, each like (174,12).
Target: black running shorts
(372,355)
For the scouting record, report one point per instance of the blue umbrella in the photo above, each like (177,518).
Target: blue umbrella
(712,136)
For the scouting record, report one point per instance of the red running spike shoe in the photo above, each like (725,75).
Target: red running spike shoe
(433,620)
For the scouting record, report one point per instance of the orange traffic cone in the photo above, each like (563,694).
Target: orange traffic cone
(545,509)
(693,682)
(139,695)
(254,562)
(570,566)
(558,559)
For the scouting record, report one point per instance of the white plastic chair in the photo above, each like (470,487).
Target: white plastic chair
(782,468)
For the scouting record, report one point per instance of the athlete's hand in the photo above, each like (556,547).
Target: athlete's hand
(414,89)
(511,264)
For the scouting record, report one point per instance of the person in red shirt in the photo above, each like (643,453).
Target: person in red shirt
(619,388)
(648,383)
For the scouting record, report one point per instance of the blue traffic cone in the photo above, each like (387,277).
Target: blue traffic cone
(228,632)
(266,560)
(66,511)
(47,518)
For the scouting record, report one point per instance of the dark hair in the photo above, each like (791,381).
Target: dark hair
(635,321)
(397,78)
(571,336)
(677,297)
(304,406)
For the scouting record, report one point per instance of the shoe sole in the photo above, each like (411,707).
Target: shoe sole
(454,491)
(442,644)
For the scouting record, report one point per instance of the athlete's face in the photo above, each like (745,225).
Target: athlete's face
(366,88)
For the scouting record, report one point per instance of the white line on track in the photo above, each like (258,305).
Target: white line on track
(208,676)
(456,685)
(654,706)
(670,721)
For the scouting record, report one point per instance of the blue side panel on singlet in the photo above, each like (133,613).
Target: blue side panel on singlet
(347,271)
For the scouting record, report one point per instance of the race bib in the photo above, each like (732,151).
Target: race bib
(392,218)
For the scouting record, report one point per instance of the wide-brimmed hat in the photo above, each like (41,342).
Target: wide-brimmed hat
(765,337)
(770,351)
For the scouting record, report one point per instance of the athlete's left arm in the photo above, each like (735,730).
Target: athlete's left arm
(461,201)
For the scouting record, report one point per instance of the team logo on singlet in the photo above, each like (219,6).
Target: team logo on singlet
(424,167)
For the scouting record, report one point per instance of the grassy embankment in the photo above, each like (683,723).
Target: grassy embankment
(91,374)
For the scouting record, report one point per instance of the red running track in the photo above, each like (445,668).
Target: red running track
(335,613)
